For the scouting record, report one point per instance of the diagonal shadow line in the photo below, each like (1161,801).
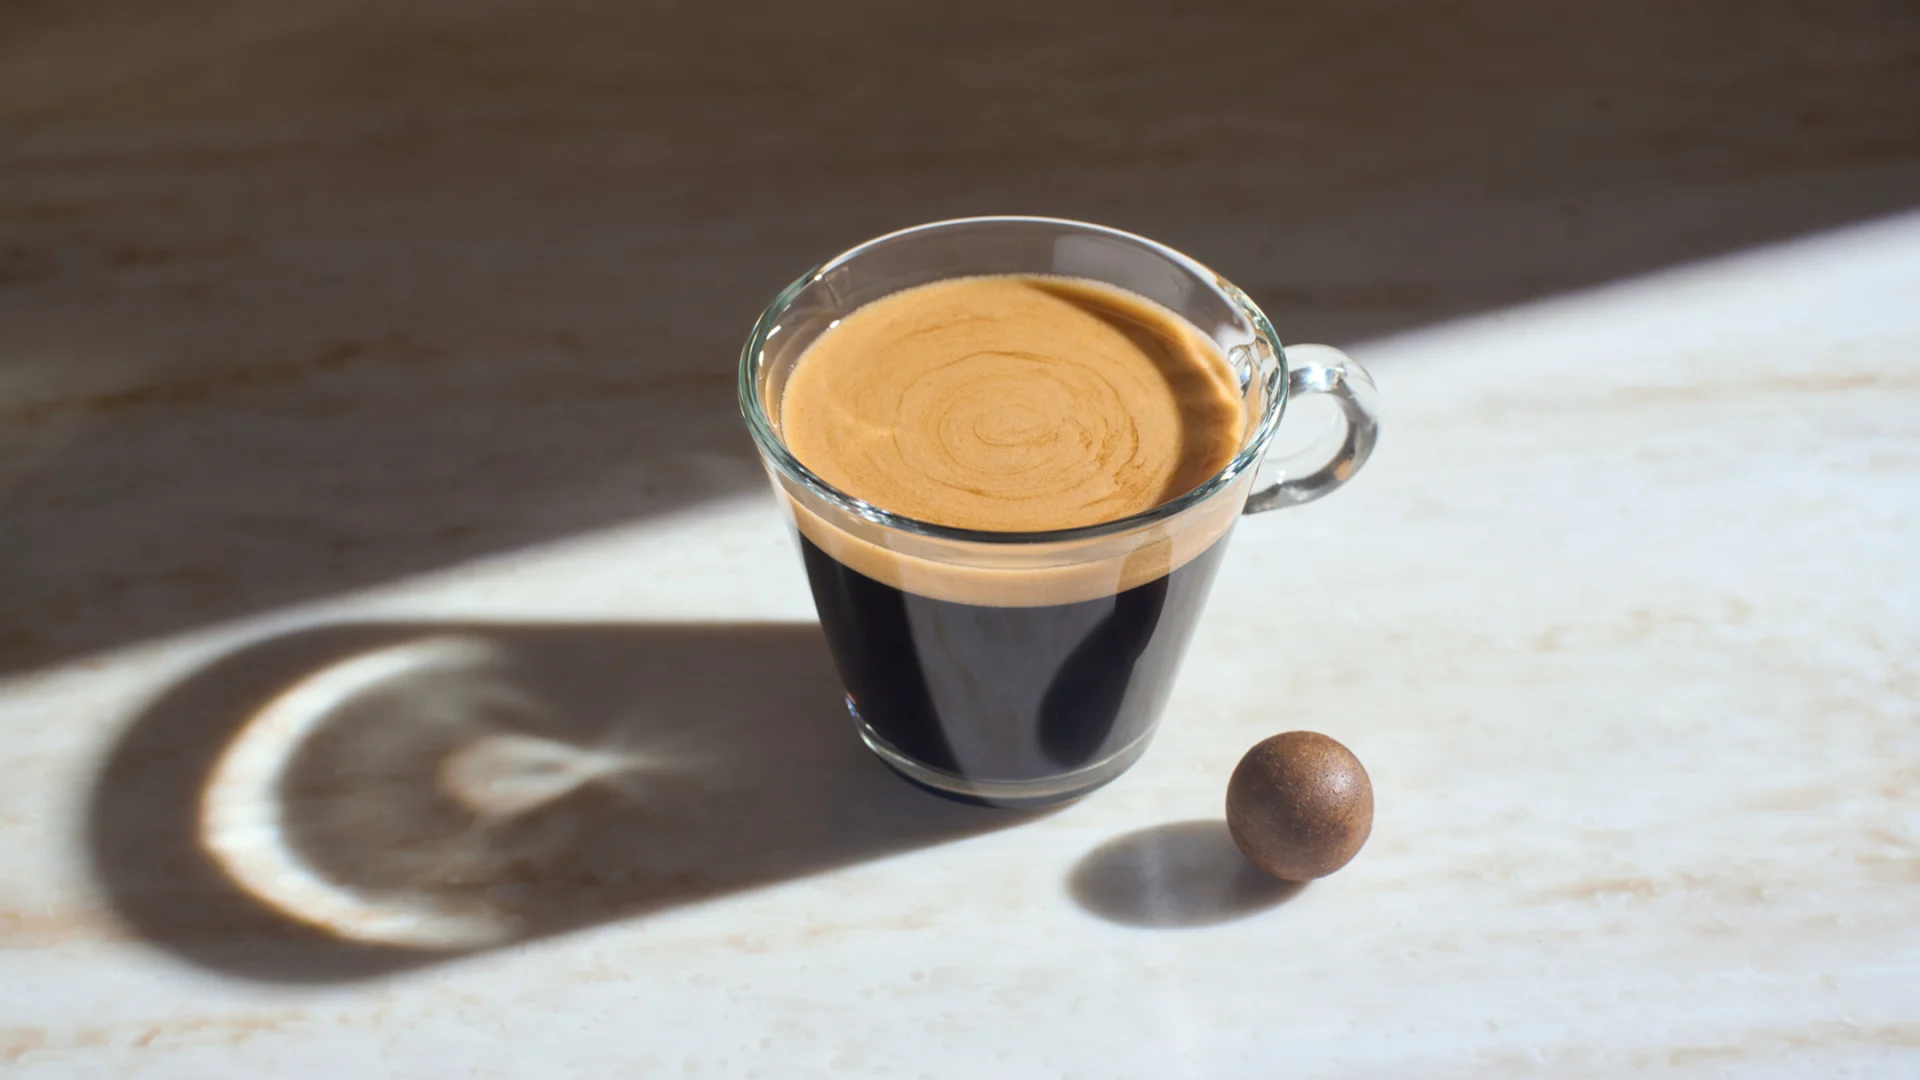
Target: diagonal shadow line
(359,799)
(275,325)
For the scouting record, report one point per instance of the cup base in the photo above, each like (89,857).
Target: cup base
(1003,794)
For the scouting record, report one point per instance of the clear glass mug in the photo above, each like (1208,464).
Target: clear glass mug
(1019,669)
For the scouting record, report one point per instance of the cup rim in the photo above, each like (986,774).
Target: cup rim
(774,450)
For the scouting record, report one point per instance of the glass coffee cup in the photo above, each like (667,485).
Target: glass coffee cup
(1025,668)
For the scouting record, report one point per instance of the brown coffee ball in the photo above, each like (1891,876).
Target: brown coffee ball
(1299,805)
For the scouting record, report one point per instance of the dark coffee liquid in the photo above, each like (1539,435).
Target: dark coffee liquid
(1008,694)
(1012,404)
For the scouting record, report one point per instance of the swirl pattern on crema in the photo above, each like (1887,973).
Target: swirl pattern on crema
(1013,403)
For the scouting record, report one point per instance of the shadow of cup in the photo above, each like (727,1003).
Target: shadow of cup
(357,799)
(1187,873)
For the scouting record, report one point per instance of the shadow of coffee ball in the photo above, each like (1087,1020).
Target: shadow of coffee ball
(1185,873)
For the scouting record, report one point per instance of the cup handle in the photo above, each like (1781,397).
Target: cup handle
(1295,479)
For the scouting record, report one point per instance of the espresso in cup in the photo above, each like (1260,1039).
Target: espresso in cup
(1010,404)
(1013,449)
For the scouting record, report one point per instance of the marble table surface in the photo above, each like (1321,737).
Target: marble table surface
(402,672)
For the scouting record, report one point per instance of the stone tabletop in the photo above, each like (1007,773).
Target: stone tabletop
(402,672)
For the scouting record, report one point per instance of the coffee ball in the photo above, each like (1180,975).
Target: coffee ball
(1299,805)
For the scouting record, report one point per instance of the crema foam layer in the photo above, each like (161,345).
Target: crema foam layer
(1013,403)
